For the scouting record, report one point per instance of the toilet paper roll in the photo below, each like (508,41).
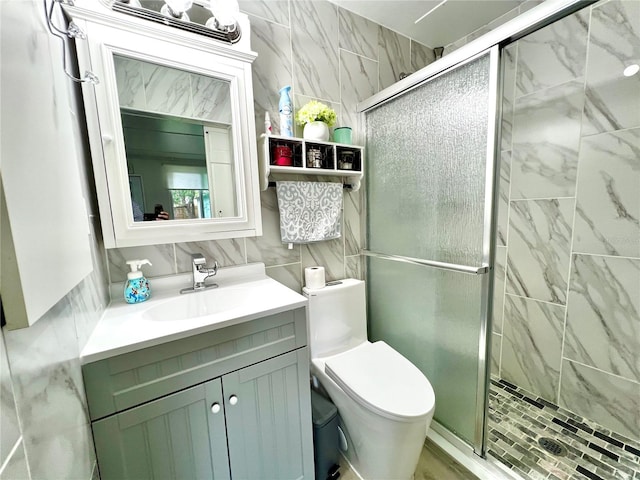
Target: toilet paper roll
(314,277)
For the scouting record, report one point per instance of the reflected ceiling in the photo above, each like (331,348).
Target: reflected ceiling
(434,23)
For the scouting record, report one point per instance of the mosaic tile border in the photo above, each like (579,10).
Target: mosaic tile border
(517,419)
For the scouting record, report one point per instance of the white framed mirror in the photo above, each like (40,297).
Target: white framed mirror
(171,131)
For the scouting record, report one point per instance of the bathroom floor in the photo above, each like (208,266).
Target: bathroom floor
(434,464)
(585,450)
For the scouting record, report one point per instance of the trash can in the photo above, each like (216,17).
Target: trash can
(324,415)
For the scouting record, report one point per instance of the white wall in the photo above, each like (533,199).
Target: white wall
(325,53)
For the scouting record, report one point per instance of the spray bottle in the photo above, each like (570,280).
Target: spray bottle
(286,112)
(136,288)
(267,123)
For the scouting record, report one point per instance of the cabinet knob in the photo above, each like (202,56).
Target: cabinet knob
(233,399)
(215,408)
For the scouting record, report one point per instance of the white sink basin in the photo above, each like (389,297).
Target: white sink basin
(245,293)
(200,304)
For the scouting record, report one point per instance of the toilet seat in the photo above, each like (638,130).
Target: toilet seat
(382,380)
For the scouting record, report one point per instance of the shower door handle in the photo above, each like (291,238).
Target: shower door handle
(481,270)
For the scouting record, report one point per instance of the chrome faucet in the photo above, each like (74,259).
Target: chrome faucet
(200,274)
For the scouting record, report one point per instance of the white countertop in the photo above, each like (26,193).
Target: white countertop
(245,293)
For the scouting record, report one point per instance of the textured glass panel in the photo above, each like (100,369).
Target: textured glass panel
(432,317)
(426,168)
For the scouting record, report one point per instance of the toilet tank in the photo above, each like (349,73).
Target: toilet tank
(337,317)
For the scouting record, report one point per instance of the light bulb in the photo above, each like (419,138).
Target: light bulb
(132,3)
(631,70)
(224,14)
(177,9)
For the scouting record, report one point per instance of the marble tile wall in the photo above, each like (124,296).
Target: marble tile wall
(325,53)
(10,435)
(567,303)
(44,427)
(510,15)
(160,89)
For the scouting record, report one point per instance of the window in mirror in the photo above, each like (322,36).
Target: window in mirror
(189,190)
(177,128)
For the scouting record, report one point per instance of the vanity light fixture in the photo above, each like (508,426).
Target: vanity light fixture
(72,31)
(223,26)
(631,70)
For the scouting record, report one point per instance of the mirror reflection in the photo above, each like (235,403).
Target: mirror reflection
(177,134)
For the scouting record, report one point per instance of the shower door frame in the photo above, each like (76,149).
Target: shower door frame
(488,236)
(490,44)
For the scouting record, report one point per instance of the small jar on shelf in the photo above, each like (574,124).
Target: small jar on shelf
(285,152)
(345,161)
(314,158)
(319,155)
(283,156)
(349,158)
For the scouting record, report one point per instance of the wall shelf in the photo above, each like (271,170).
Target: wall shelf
(334,159)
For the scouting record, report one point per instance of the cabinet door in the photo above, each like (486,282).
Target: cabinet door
(175,437)
(268,411)
(224,204)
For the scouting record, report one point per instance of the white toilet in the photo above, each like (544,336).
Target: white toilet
(385,403)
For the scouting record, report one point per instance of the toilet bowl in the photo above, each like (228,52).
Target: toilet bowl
(385,402)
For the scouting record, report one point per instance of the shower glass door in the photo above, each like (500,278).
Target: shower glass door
(430,199)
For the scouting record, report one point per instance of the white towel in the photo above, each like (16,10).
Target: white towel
(309,211)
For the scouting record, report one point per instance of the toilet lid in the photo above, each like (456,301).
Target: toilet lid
(381,379)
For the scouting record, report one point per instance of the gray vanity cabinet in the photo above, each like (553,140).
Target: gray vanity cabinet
(174,437)
(263,427)
(249,419)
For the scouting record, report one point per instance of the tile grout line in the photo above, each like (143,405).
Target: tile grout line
(604,255)
(551,87)
(534,199)
(251,14)
(341,103)
(277,265)
(356,54)
(535,300)
(620,377)
(575,214)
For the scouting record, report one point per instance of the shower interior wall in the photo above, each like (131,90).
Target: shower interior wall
(566,322)
(325,53)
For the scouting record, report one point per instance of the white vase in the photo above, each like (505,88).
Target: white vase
(316,131)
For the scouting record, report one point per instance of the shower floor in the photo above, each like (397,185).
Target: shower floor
(584,450)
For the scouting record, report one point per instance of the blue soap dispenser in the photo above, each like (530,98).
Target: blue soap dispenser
(136,289)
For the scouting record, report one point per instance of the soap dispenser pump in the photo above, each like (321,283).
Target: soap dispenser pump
(136,289)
